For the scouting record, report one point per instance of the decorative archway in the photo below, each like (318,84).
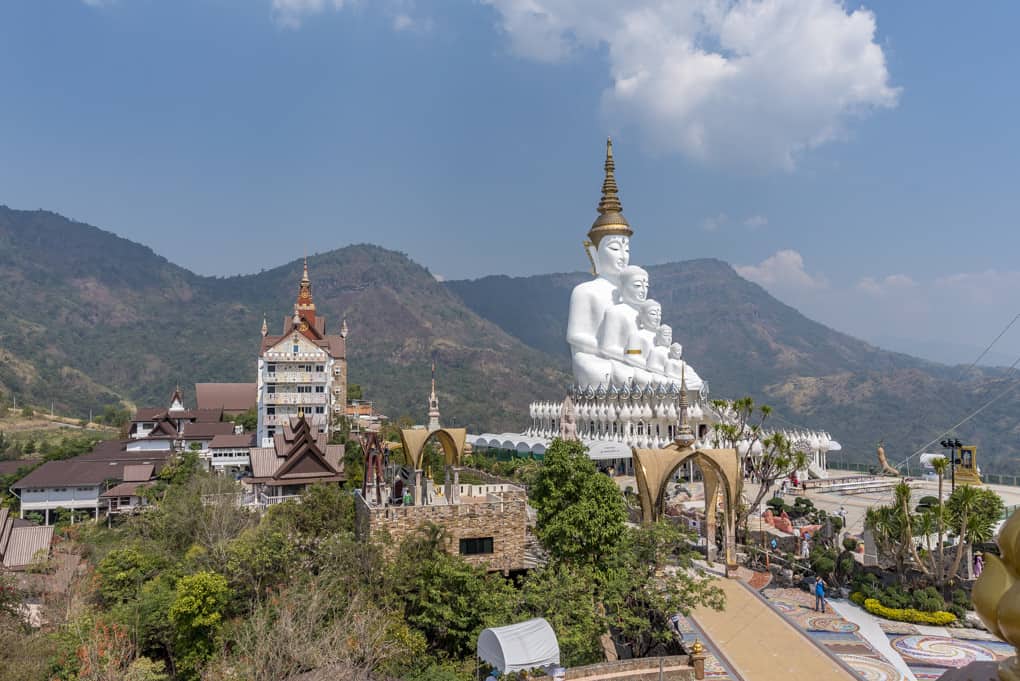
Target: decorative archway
(720,469)
(452,441)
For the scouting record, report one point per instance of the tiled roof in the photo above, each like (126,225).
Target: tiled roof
(297,455)
(138,472)
(232,441)
(334,345)
(24,543)
(124,489)
(230,397)
(106,462)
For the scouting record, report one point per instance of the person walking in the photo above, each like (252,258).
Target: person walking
(819,594)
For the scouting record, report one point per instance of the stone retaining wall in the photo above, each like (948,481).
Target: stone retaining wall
(674,668)
(504,520)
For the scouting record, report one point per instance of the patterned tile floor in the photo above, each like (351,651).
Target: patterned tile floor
(833,633)
(928,657)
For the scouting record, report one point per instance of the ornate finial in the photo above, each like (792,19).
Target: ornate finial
(304,276)
(301,413)
(343,328)
(433,400)
(265,325)
(610,219)
(305,288)
(697,648)
(684,434)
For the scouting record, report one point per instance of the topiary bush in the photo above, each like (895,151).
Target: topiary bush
(895,597)
(928,600)
(939,618)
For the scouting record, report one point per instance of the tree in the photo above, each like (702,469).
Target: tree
(565,595)
(122,572)
(197,616)
(249,420)
(353,392)
(766,458)
(939,464)
(973,512)
(581,512)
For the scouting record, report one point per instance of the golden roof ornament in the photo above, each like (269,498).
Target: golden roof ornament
(610,219)
(996,594)
(697,648)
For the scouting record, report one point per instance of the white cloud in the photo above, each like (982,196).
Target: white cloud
(289,13)
(752,82)
(713,223)
(756,221)
(782,271)
(891,284)
(402,22)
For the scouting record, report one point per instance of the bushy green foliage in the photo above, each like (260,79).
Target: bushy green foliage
(197,614)
(122,572)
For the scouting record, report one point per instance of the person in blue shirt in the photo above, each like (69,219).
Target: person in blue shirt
(819,594)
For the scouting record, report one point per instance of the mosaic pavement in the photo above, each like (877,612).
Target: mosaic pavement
(928,657)
(832,633)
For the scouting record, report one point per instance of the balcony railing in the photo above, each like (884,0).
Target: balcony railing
(296,398)
(281,419)
(296,376)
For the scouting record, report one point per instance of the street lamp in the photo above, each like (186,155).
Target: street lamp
(952,445)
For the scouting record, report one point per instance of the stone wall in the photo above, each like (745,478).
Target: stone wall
(674,668)
(503,520)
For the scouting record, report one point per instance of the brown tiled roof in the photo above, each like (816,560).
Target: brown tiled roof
(232,441)
(24,543)
(124,489)
(106,462)
(229,397)
(297,456)
(202,431)
(138,472)
(149,413)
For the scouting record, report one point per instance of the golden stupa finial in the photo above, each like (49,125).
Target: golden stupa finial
(265,325)
(304,276)
(610,219)
(684,434)
(996,594)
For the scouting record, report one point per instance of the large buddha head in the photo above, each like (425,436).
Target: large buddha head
(649,315)
(633,285)
(608,243)
(612,255)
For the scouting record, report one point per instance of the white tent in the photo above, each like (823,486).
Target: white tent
(520,646)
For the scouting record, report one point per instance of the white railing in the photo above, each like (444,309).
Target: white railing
(296,398)
(283,419)
(296,376)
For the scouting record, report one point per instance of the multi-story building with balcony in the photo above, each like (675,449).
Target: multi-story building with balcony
(301,371)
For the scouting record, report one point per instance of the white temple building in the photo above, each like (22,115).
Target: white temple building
(627,368)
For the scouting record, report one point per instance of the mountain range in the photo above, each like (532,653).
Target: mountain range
(90,319)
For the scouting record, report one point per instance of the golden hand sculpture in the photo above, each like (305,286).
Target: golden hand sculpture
(997,594)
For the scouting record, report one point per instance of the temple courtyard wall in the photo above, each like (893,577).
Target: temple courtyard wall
(479,521)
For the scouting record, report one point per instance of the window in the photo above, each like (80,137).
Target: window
(271,389)
(85,489)
(320,388)
(320,410)
(475,546)
(124,501)
(304,388)
(271,368)
(296,348)
(271,432)
(270,411)
(320,367)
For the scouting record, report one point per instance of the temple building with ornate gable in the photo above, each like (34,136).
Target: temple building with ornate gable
(302,370)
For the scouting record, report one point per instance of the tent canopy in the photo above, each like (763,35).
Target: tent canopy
(520,646)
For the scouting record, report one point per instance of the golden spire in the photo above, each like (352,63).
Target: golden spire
(304,277)
(684,434)
(265,325)
(610,219)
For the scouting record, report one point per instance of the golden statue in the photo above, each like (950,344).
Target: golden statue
(883,462)
(997,594)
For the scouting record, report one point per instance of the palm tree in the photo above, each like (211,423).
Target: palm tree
(965,501)
(940,464)
(902,505)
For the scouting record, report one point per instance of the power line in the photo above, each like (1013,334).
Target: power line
(974,413)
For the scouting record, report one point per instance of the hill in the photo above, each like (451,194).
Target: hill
(744,341)
(91,318)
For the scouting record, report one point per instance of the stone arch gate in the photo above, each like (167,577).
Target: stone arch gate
(720,469)
(413,441)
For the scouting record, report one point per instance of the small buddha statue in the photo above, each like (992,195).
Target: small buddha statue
(620,322)
(642,340)
(659,354)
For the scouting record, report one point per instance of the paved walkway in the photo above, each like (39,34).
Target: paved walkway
(762,646)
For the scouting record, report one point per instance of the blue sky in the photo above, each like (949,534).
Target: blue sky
(859,163)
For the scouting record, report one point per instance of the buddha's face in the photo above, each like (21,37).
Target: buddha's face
(650,316)
(664,336)
(675,351)
(634,286)
(613,255)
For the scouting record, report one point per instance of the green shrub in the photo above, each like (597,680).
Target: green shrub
(858,598)
(895,597)
(940,618)
(961,598)
(928,600)
(959,611)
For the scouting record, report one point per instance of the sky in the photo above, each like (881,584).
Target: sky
(858,161)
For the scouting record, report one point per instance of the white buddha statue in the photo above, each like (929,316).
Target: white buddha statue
(678,371)
(621,321)
(642,340)
(659,354)
(608,248)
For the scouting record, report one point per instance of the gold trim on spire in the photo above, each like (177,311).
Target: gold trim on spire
(610,219)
